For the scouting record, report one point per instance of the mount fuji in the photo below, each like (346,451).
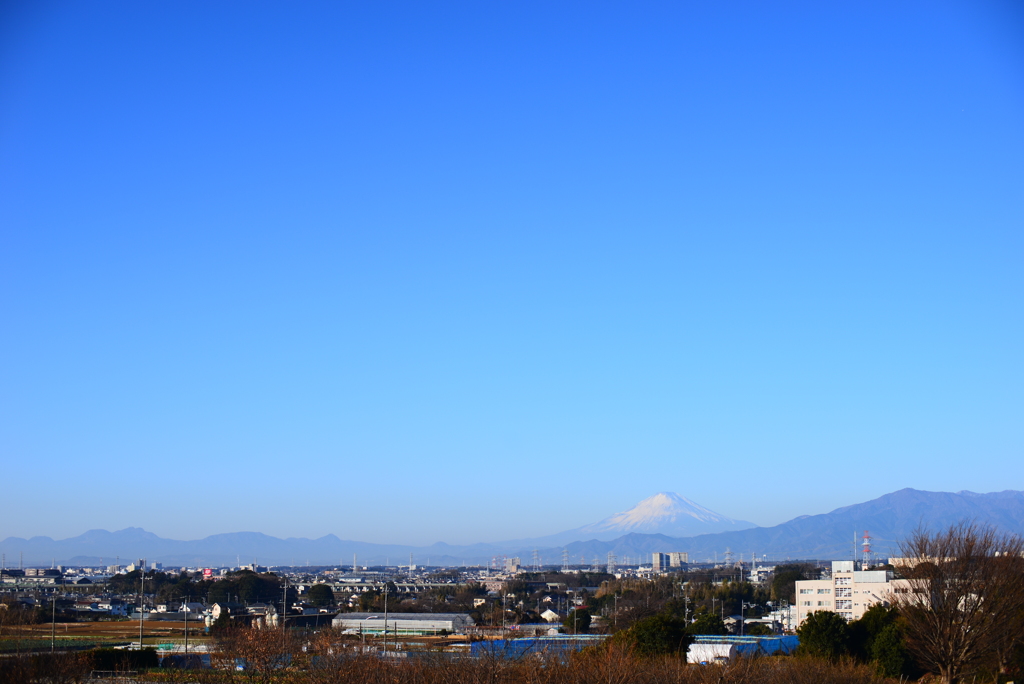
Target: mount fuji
(664,513)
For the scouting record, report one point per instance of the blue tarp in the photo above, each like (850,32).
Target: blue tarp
(518,648)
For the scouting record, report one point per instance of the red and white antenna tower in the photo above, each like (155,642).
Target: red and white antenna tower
(866,549)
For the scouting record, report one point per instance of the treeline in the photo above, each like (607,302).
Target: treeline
(243,586)
(627,601)
(877,639)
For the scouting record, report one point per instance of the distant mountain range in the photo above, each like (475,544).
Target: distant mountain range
(100,547)
(888,519)
(659,523)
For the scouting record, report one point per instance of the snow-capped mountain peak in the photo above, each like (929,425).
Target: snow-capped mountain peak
(665,513)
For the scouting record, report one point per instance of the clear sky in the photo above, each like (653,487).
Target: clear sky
(410,271)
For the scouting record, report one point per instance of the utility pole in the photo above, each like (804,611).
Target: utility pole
(142,605)
(284,612)
(385,618)
(53,622)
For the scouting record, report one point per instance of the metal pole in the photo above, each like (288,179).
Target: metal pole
(142,605)
(186,624)
(53,622)
(385,618)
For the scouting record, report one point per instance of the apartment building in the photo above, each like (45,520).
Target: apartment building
(660,562)
(848,591)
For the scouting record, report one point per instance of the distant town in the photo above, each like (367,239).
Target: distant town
(860,607)
(878,611)
(504,597)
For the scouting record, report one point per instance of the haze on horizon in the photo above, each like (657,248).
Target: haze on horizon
(488,271)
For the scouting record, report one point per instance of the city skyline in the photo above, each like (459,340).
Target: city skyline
(447,273)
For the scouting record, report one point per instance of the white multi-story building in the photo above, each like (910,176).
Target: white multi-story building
(678,559)
(848,592)
(661,562)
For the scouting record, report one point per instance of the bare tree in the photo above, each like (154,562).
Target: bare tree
(964,590)
(262,652)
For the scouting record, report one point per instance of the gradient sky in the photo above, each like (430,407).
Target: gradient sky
(412,272)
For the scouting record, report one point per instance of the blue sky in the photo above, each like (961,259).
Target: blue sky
(412,272)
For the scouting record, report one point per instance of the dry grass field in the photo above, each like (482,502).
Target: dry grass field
(76,634)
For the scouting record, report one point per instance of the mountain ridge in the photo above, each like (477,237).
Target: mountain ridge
(836,534)
(831,535)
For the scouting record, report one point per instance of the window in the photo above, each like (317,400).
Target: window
(844,581)
(845,592)
(806,591)
(824,604)
(807,603)
(844,605)
(824,591)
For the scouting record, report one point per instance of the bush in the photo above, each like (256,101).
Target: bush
(54,668)
(608,665)
(824,634)
(115,659)
(656,635)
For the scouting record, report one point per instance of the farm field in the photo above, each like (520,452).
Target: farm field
(87,634)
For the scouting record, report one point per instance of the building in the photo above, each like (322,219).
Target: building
(556,646)
(227,608)
(713,649)
(403,623)
(660,562)
(847,591)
